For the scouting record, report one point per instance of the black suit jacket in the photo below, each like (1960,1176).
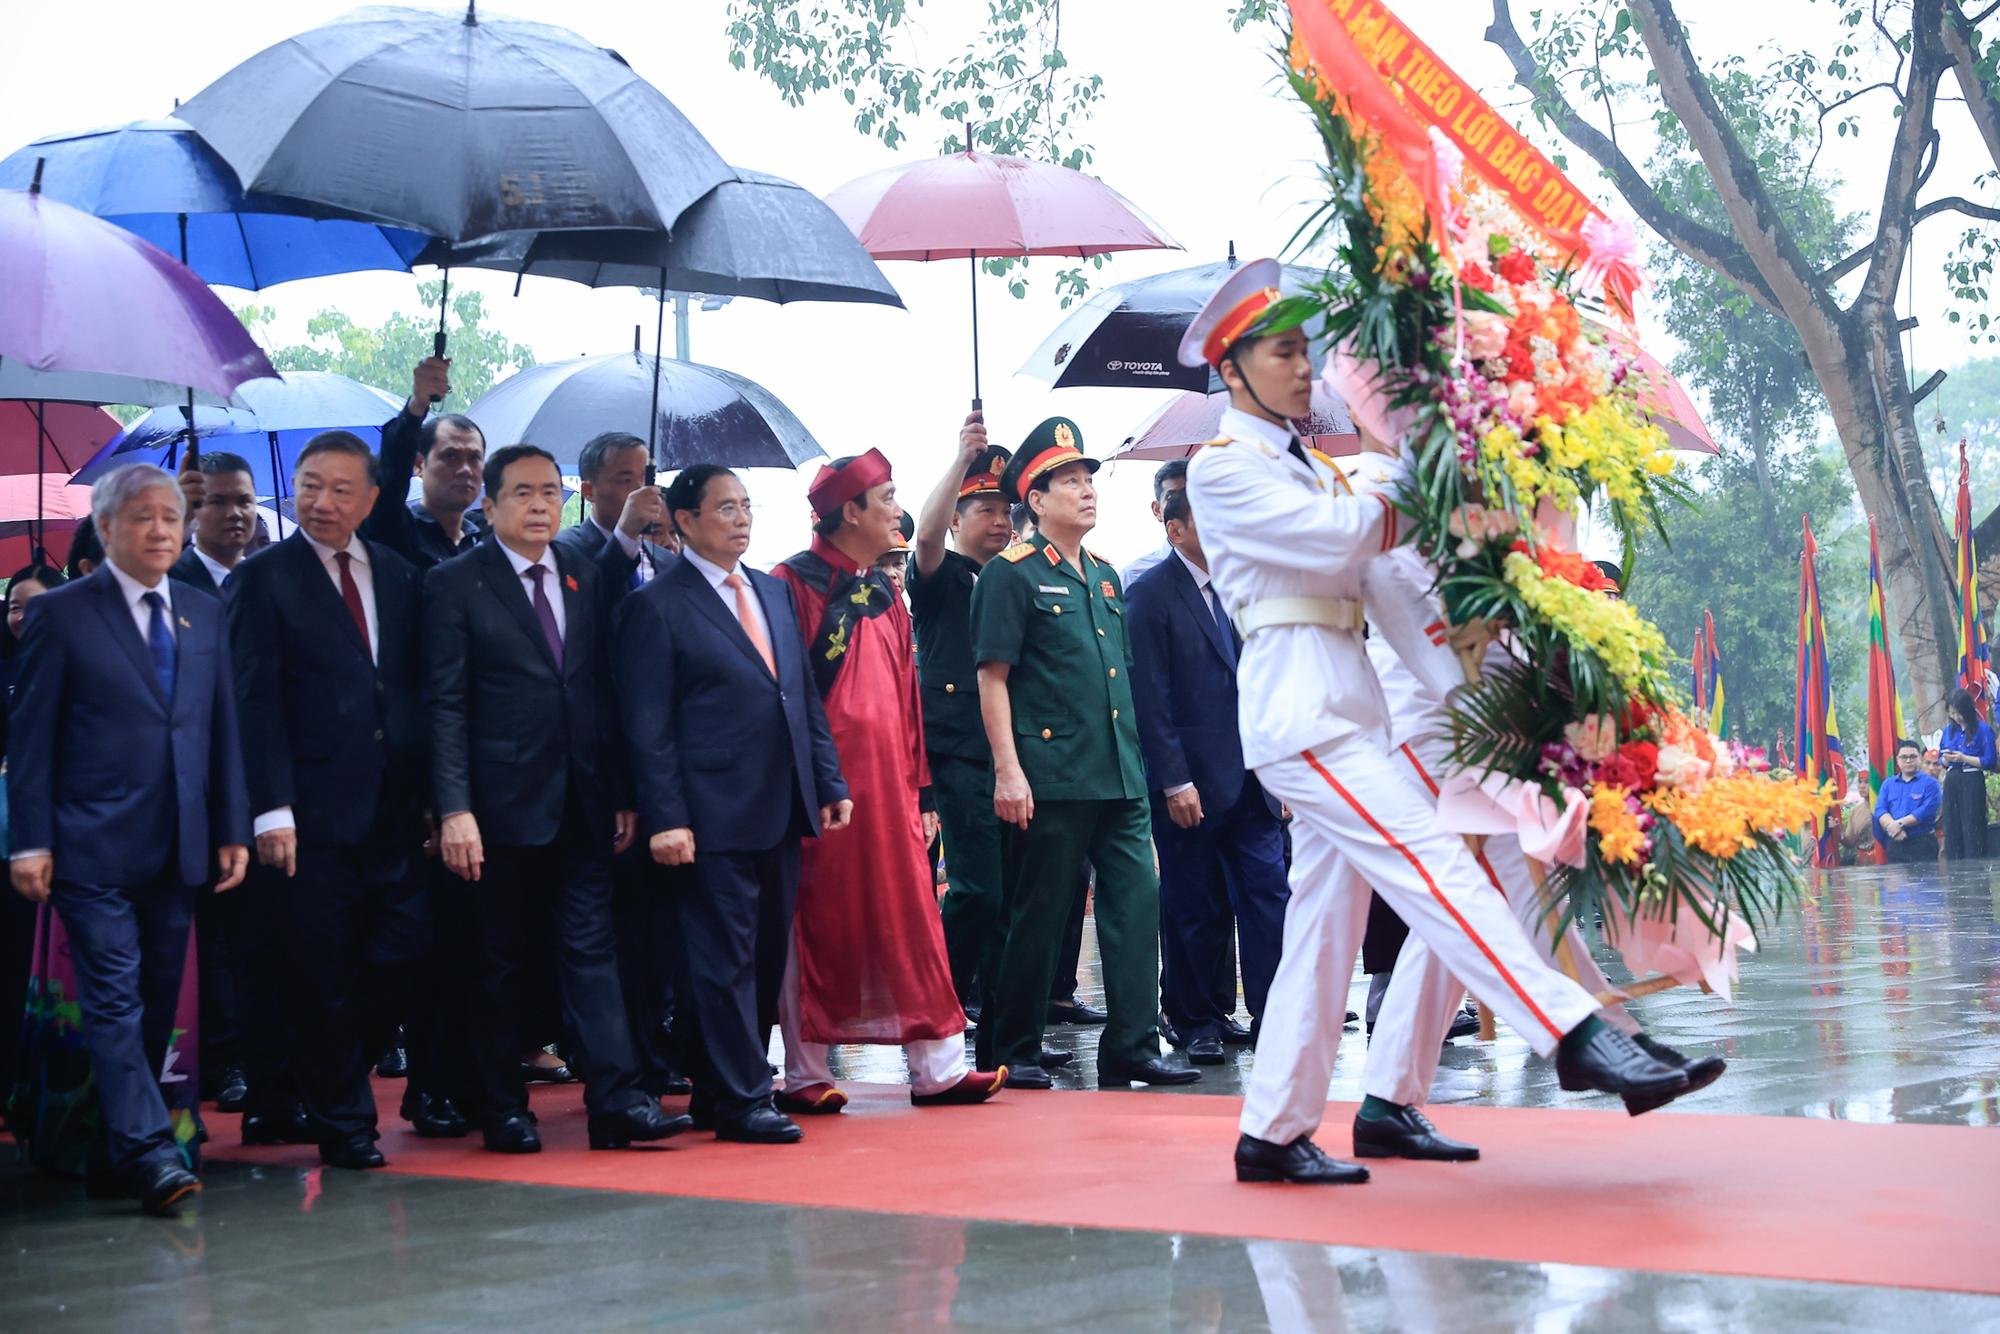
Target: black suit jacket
(510,734)
(190,571)
(404,525)
(102,769)
(614,567)
(1184,690)
(335,736)
(717,745)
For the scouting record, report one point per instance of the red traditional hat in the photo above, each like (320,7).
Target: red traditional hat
(835,486)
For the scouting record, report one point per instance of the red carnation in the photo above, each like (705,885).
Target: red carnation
(1517,266)
(1475,275)
(1617,771)
(1644,757)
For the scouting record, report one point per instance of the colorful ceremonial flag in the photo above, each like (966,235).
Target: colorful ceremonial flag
(1973,657)
(1820,759)
(1885,707)
(1711,688)
(1700,664)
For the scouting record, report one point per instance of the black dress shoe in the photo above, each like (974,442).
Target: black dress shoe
(1351,1020)
(675,1085)
(1464,1024)
(1301,1161)
(513,1134)
(1205,1051)
(1074,1011)
(1152,1071)
(1028,1077)
(160,1186)
(1052,1059)
(395,1062)
(357,1154)
(1168,1033)
(1408,1133)
(532,1073)
(1700,1075)
(640,1122)
(1611,1062)
(232,1091)
(433,1117)
(280,1126)
(1235,1034)
(763,1124)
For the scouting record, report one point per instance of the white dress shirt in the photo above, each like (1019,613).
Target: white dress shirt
(628,545)
(1207,592)
(216,569)
(715,574)
(1144,563)
(551,582)
(364,581)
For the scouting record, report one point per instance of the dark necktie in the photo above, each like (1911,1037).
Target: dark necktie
(1222,620)
(546,614)
(350,593)
(161,641)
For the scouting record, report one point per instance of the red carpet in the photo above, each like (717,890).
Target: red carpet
(1771,1197)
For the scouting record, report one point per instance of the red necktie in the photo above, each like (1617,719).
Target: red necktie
(350,593)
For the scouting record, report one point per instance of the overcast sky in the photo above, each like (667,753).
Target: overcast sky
(1192,129)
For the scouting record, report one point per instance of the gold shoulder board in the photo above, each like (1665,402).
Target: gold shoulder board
(1019,552)
(1219,440)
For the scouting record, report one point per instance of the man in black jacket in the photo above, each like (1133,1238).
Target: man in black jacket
(451,450)
(734,765)
(622,516)
(221,500)
(531,797)
(324,638)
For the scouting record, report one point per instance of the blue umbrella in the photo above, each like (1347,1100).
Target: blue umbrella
(282,415)
(161,180)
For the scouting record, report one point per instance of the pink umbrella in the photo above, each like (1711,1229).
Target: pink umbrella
(1190,420)
(1661,394)
(975,206)
(27,499)
(51,437)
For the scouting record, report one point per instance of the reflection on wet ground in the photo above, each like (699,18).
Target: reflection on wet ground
(1879,1002)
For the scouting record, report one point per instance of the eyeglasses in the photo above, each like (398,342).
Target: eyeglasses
(732,509)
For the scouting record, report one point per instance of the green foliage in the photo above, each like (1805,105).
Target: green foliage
(1723,561)
(385,355)
(1010,90)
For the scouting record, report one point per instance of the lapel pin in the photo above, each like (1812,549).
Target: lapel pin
(186,624)
(569,581)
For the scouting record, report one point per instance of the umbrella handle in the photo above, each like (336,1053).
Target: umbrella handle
(437,342)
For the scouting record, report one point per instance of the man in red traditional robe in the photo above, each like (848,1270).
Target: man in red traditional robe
(868,962)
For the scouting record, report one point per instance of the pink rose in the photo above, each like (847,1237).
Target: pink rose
(1485,335)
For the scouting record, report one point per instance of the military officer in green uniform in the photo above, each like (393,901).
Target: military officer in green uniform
(1048,632)
(966,508)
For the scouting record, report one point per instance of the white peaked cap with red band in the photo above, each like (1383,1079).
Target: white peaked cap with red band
(1229,314)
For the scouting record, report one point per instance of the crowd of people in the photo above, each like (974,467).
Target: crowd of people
(446,789)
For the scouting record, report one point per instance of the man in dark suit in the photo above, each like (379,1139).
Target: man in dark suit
(531,792)
(125,787)
(621,514)
(734,765)
(449,452)
(1220,842)
(221,500)
(323,632)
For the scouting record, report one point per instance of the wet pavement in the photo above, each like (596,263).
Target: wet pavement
(1880,1002)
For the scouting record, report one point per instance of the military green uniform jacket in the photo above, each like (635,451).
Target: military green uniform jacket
(1063,637)
(941,609)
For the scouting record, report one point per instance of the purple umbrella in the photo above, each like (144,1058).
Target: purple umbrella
(93,314)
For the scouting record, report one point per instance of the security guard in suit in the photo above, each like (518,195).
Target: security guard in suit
(1055,694)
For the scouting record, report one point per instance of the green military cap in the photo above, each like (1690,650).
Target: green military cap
(1049,446)
(983,475)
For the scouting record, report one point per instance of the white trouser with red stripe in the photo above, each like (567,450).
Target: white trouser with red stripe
(936,1064)
(1424,994)
(1359,819)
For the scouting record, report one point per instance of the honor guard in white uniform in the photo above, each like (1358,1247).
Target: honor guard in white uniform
(1293,550)
(1423,994)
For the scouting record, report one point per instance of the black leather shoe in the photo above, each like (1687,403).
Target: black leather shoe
(532,1073)
(1408,1134)
(1052,1059)
(676,1085)
(395,1062)
(1153,1071)
(1168,1033)
(1700,1075)
(278,1127)
(433,1117)
(1612,1063)
(513,1134)
(357,1154)
(1351,1020)
(1028,1077)
(763,1124)
(1235,1034)
(1205,1051)
(232,1091)
(160,1186)
(1464,1024)
(1074,1011)
(1301,1161)
(640,1122)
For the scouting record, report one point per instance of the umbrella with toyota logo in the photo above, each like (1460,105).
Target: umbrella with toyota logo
(1127,336)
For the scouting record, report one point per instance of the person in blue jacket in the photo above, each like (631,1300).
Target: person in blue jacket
(1966,752)
(1906,810)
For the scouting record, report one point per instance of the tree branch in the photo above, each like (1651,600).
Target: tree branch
(1948,204)
(1897,219)
(1705,245)
(1961,43)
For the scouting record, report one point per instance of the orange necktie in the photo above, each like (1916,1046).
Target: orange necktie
(751,627)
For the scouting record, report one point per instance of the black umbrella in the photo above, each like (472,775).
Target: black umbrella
(1129,336)
(702,414)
